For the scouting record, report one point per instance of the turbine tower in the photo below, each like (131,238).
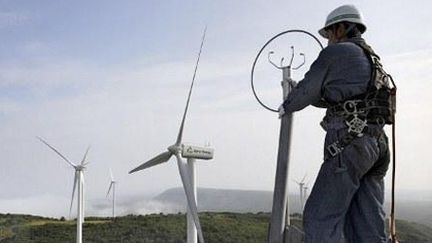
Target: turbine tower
(112,185)
(305,192)
(186,170)
(302,197)
(78,180)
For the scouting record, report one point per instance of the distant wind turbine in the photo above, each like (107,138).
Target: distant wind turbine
(305,192)
(78,180)
(301,187)
(112,185)
(187,170)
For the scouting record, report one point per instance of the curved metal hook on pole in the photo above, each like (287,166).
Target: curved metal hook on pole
(292,57)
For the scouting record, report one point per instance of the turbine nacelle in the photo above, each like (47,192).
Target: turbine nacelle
(196,152)
(192,151)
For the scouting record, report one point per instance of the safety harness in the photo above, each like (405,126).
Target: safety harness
(376,106)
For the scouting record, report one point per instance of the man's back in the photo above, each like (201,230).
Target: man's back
(348,74)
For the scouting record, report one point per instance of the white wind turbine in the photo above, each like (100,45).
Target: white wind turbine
(186,170)
(78,179)
(305,192)
(302,197)
(112,185)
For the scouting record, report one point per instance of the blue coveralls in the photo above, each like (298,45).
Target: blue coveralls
(348,194)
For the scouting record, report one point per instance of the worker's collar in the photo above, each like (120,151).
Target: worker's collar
(356,40)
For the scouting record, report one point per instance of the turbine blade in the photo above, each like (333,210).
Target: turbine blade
(109,189)
(180,134)
(57,152)
(111,174)
(85,156)
(304,177)
(161,158)
(187,186)
(73,191)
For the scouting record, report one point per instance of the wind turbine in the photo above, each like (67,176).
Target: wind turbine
(112,185)
(78,180)
(305,191)
(186,170)
(302,197)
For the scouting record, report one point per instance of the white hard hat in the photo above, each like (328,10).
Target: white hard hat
(344,13)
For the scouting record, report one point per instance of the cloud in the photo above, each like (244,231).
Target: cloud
(131,205)
(46,205)
(57,206)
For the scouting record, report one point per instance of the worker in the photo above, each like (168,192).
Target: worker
(348,80)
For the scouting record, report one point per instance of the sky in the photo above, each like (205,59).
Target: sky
(114,75)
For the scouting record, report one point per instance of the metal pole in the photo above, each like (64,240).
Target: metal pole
(280,209)
(113,201)
(301,197)
(82,198)
(79,214)
(192,235)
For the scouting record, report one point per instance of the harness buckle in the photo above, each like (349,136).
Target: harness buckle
(356,125)
(334,149)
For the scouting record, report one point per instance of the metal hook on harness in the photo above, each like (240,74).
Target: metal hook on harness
(355,125)
(350,107)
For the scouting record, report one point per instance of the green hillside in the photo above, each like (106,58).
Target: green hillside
(217,228)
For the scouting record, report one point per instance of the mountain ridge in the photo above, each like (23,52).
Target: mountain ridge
(255,201)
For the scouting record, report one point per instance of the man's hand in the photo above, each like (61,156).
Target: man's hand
(288,86)
(281,111)
(292,83)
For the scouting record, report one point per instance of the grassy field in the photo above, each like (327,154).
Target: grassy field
(217,228)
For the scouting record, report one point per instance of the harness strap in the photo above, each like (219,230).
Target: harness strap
(393,236)
(339,145)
